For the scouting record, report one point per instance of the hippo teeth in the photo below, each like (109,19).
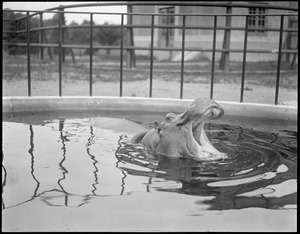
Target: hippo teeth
(207,144)
(202,139)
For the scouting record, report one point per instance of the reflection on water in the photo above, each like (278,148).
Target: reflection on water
(90,142)
(68,163)
(4,174)
(30,151)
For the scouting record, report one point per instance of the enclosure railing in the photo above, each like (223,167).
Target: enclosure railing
(61,10)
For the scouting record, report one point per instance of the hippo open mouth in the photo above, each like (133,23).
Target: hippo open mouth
(194,119)
(183,135)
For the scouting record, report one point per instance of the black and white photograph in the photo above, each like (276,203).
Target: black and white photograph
(149,116)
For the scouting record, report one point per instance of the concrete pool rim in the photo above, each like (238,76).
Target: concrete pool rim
(13,105)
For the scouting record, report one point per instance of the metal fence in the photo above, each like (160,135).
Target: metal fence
(60,27)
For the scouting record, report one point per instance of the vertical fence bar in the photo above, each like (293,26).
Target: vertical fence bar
(121,54)
(129,56)
(91,55)
(213,58)
(151,55)
(182,56)
(60,54)
(62,20)
(224,62)
(28,55)
(244,59)
(41,40)
(279,59)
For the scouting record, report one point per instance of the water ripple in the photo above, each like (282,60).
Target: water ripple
(257,160)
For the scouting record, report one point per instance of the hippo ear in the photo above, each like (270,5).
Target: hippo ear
(155,124)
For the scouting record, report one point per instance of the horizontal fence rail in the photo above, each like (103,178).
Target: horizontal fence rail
(155,48)
(183,27)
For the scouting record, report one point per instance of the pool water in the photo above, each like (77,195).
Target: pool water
(69,175)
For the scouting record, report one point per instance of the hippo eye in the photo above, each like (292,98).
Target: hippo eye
(169,119)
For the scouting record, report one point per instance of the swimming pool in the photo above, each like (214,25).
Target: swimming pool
(62,173)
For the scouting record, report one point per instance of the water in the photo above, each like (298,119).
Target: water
(63,174)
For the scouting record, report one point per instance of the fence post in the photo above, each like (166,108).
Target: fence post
(121,54)
(224,63)
(182,56)
(62,22)
(49,48)
(41,32)
(28,54)
(213,58)
(151,54)
(60,53)
(279,59)
(71,49)
(91,55)
(244,59)
(294,58)
(130,42)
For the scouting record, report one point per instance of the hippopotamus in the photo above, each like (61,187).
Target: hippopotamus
(183,135)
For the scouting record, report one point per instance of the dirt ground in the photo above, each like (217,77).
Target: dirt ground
(161,88)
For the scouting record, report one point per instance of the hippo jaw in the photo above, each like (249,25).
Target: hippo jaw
(184,135)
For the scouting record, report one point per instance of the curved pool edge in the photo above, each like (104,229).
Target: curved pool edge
(140,104)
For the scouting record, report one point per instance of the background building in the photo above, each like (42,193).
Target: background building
(258,38)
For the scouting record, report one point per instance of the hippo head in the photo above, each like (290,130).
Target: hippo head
(183,135)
